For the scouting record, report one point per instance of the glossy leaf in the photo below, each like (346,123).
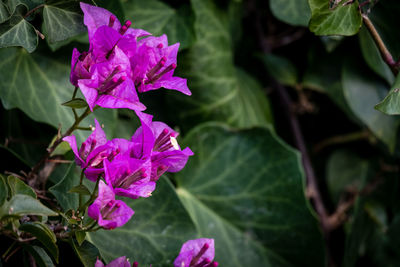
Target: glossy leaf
(12,5)
(60,190)
(80,237)
(17,186)
(362,92)
(40,256)
(38,85)
(391,103)
(18,32)
(294,12)
(342,19)
(245,189)
(76,103)
(86,252)
(4,13)
(43,233)
(155,232)
(20,205)
(159,18)
(219,92)
(62,20)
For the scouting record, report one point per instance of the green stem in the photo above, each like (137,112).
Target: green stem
(80,183)
(75,91)
(9,249)
(91,199)
(90,226)
(95,229)
(73,97)
(75,114)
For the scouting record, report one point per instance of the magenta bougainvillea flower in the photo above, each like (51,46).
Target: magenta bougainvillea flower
(88,148)
(118,262)
(129,177)
(95,150)
(109,85)
(166,154)
(154,65)
(108,151)
(152,150)
(117,63)
(107,211)
(95,17)
(196,253)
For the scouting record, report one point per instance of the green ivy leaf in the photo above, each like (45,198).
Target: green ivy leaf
(245,189)
(18,32)
(86,252)
(219,91)
(281,69)
(38,84)
(344,19)
(80,237)
(43,234)
(12,5)
(60,190)
(391,103)
(155,233)
(20,205)
(4,14)
(62,20)
(362,92)
(17,186)
(40,256)
(159,18)
(294,12)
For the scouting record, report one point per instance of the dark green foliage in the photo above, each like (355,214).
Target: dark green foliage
(245,186)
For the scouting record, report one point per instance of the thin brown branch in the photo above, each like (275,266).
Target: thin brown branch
(340,215)
(312,185)
(61,161)
(386,55)
(342,139)
(33,10)
(12,253)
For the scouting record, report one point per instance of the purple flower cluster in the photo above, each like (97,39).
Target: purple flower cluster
(130,168)
(118,63)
